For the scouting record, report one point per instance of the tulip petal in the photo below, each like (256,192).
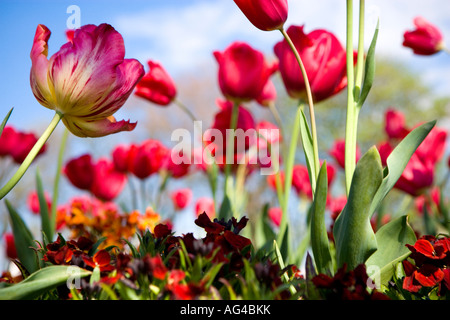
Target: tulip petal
(39,67)
(97,128)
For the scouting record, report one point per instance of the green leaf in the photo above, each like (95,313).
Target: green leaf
(319,236)
(42,281)
(369,72)
(307,143)
(354,236)
(5,120)
(391,240)
(23,240)
(397,161)
(43,208)
(225,211)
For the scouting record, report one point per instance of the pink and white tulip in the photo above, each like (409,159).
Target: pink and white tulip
(87,80)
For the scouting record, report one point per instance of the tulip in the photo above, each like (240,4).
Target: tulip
(266,15)
(17,144)
(156,86)
(338,152)
(433,146)
(417,176)
(148,158)
(426,39)
(222,119)
(268,94)
(300,180)
(243,72)
(11,251)
(395,124)
(108,182)
(33,202)
(7,140)
(181,198)
(205,204)
(120,156)
(177,164)
(274,215)
(80,171)
(324,59)
(86,81)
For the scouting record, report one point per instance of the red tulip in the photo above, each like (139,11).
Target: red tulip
(181,198)
(426,39)
(80,171)
(148,158)
(274,215)
(243,72)
(17,144)
(324,58)
(338,152)
(395,124)
(33,202)
(300,180)
(419,172)
(11,251)
(8,140)
(433,146)
(156,86)
(416,177)
(266,15)
(108,182)
(222,121)
(177,164)
(268,94)
(121,156)
(205,204)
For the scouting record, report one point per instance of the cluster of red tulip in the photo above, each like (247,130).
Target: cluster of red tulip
(88,80)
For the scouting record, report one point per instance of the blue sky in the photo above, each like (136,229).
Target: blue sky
(181,34)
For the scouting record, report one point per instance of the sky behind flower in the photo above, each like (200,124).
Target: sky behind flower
(183,34)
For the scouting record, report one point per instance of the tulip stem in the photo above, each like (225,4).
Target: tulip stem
(351,121)
(57,179)
(185,109)
(276,116)
(316,166)
(230,144)
(31,155)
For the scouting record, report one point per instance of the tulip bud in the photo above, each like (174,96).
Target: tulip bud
(266,15)
(156,86)
(243,72)
(181,198)
(426,39)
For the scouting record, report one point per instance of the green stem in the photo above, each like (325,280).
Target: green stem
(230,144)
(360,59)
(185,109)
(276,116)
(350,147)
(31,155)
(57,179)
(316,166)
(290,159)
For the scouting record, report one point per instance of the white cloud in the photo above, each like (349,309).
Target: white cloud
(180,37)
